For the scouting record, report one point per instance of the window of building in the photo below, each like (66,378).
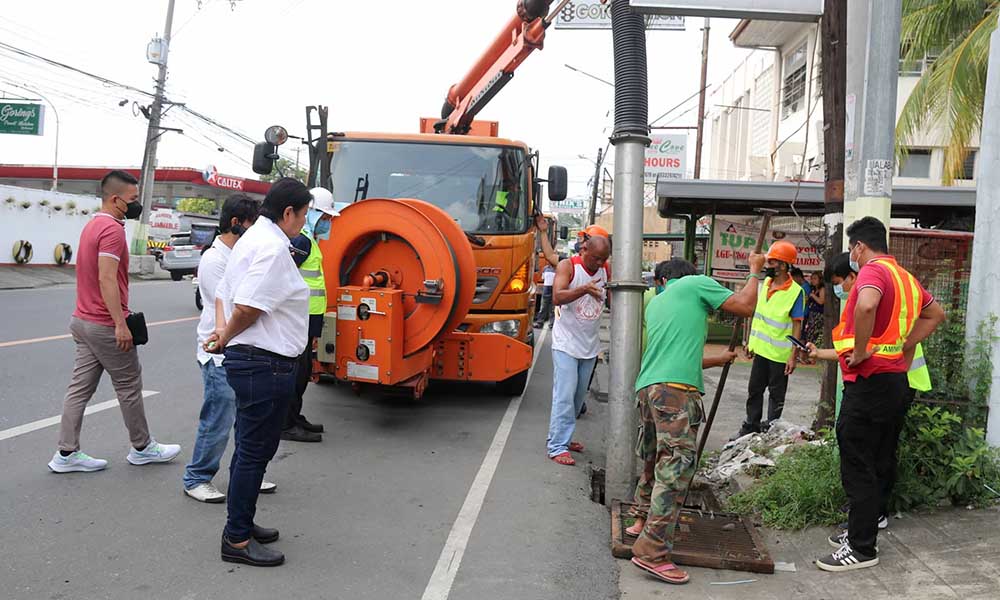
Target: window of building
(916,164)
(969,165)
(794,83)
(916,68)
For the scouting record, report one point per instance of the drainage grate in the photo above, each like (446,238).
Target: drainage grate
(704,538)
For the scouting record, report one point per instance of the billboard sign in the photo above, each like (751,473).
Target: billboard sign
(666,157)
(593,14)
(732,244)
(21,118)
(773,10)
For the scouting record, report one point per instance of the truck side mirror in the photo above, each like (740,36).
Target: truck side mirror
(557,183)
(564,232)
(263,158)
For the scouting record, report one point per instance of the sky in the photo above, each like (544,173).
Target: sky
(378,64)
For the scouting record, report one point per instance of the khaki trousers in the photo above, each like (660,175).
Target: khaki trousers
(97,352)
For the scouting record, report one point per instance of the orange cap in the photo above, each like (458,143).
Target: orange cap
(784,251)
(595,231)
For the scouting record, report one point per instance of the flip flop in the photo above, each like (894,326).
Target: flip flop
(634,532)
(663,571)
(564,459)
(576,447)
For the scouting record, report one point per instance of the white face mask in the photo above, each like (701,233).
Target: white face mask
(854,264)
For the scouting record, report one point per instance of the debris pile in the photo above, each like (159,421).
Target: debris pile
(756,450)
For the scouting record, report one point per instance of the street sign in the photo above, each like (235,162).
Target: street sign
(593,14)
(23,119)
(666,157)
(774,10)
(570,206)
(732,244)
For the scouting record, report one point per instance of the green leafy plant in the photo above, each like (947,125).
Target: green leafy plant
(961,371)
(803,489)
(203,206)
(84,211)
(57,208)
(25,204)
(43,203)
(70,205)
(10,200)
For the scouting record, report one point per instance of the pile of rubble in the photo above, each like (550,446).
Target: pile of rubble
(756,450)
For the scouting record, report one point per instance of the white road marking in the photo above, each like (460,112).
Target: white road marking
(66,336)
(6,434)
(439,587)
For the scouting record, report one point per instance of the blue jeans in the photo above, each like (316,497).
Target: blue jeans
(218,413)
(264,384)
(569,390)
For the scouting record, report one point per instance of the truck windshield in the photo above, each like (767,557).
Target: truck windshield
(482,187)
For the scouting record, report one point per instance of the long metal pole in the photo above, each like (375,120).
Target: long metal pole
(55,159)
(147,178)
(597,181)
(699,137)
(983,300)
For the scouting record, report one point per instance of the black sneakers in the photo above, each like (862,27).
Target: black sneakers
(846,559)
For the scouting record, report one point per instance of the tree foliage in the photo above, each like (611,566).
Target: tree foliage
(201,206)
(283,165)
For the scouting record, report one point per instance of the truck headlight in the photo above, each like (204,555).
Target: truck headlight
(511,328)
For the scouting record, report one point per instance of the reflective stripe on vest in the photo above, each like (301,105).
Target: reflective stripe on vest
(919,375)
(312,273)
(772,323)
(906,308)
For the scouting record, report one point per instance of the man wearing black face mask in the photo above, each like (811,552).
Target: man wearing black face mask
(103,340)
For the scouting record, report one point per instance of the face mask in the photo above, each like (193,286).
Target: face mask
(321,230)
(134,210)
(237,230)
(854,264)
(838,290)
(659,289)
(771,272)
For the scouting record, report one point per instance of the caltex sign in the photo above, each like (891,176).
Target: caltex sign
(23,119)
(213,178)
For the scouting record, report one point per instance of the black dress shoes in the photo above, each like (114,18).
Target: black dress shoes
(299,434)
(310,427)
(264,535)
(254,554)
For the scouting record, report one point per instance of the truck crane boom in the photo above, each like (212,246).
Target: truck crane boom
(522,35)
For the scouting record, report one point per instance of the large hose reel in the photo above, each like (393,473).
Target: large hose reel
(424,252)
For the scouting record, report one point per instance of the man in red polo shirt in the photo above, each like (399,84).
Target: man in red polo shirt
(102,337)
(888,313)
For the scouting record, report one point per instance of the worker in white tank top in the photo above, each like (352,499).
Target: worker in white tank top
(579,292)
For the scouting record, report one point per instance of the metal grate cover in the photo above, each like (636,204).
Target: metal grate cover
(715,540)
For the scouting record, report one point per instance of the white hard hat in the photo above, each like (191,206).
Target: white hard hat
(323,201)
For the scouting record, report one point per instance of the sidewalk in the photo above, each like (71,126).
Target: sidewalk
(949,553)
(14,277)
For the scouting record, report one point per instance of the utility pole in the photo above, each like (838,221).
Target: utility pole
(597,181)
(701,98)
(153,134)
(983,300)
(834,86)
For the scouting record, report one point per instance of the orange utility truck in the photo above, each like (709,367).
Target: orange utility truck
(430,266)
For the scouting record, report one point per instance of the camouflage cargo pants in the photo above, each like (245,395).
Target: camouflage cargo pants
(669,418)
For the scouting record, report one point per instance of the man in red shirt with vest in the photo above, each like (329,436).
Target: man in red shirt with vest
(888,313)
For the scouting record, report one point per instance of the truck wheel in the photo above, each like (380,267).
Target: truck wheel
(514,386)
(197,299)
(176,275)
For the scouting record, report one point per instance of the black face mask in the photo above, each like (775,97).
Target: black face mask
(134,210)
(237,230)
(771,272)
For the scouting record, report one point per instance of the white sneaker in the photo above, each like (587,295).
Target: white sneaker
(267,487)
(206,492)
(155,452)
(78,461)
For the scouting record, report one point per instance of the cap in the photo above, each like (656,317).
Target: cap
(323,201)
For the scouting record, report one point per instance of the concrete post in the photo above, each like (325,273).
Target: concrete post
(869,192)
(985,278)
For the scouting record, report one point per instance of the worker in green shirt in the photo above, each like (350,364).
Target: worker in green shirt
(659,284)
(669,388)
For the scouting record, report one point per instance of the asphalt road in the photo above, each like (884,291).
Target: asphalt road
(365,514)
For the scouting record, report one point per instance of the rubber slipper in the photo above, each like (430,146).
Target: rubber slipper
(576,447)
(667,572)
(564,459)
(633,531)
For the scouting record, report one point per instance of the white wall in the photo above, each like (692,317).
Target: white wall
(43,226)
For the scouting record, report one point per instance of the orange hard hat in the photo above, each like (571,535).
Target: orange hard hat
(595,231)
(784,251)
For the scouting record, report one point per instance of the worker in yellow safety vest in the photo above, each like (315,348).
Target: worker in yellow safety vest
(781,308)
(842,276)
(309,258)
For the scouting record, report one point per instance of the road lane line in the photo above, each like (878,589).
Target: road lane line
(439,586)
(6,434)
(67,336)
